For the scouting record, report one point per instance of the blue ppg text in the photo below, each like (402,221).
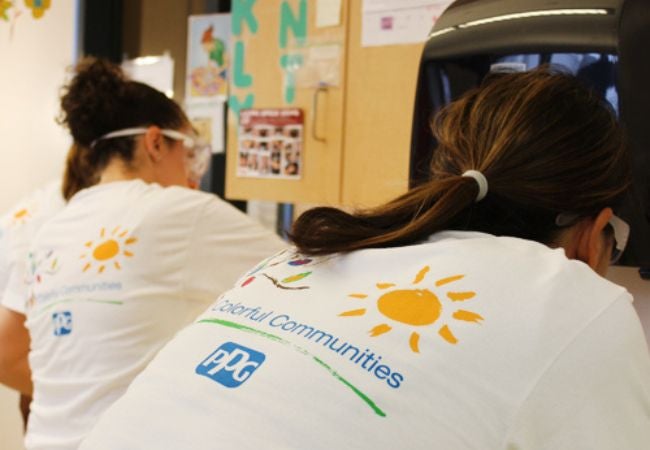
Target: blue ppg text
(231,364)
(62,322)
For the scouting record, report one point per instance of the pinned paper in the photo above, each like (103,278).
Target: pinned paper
(270,143)
(390,22)
(208,58)
(328,13)
(207,119)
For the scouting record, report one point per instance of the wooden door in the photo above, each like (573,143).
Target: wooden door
(268,34)
(380,94)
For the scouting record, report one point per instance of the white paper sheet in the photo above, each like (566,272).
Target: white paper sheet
(391,22)
(208,119)
(328,13)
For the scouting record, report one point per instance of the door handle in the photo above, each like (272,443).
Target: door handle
(314,117)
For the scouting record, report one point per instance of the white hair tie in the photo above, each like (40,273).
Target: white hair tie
(481,181)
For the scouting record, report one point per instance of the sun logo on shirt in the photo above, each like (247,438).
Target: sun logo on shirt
(21,216)
(417,308)
(108,249)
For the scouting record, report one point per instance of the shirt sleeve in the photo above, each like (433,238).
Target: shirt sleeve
(14,294)
(42,204)
(224,245)
(596,394)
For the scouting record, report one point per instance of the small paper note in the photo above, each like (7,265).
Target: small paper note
(328,13)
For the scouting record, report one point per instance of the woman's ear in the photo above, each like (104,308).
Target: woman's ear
(153,140)
(592,247)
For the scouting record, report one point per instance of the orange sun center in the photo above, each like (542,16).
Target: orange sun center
(410,306)
(20,214)
(106,250)
(417,307)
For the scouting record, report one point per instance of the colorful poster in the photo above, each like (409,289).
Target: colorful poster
(270,143)
(208,57)
(13,10)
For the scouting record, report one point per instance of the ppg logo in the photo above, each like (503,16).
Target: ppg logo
(62,323)
(231,364)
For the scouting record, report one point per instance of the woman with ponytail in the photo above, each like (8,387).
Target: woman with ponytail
(128,261)
(469,313)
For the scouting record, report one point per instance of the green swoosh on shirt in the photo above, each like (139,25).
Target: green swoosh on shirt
(320,362)
(68,300)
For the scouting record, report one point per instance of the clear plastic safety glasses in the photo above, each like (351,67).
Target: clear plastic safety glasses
(197,151)
(620,229)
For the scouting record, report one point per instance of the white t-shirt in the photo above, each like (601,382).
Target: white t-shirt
(17,229)
(466,342)
(114,275)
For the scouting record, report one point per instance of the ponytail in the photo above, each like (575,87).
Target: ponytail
(546,144)
(408,219)
(79,173)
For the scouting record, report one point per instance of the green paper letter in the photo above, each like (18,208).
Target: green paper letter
(288,21)
(242,10)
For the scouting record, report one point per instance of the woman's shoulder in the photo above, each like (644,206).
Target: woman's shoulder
(19,225)
(180,194)
(490,263)
(141,195)
(534,264)
(183,205)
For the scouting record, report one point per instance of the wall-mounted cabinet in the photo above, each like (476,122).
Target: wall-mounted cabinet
(357,128)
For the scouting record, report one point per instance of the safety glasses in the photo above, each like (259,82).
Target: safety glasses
(197,153)
(619,228)
(621,234)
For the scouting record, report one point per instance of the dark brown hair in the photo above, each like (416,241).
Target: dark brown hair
(78,173)
(545,143)
(100,99)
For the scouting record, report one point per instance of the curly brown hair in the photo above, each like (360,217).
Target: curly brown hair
(100,99)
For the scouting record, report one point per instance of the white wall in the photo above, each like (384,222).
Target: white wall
(32,68)
(33,60)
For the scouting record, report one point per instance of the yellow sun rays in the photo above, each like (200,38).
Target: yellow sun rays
(460,296)
(421,274)
(448,280)
(21,216)
(110,247)
(414,342)
(380,329)
(417,307)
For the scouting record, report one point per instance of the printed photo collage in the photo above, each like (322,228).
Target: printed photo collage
(270,143)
